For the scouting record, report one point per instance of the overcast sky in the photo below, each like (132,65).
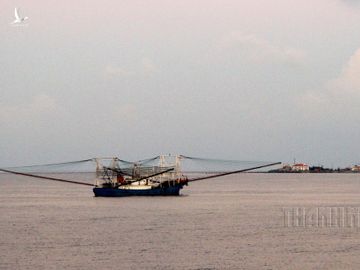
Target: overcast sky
(248,80)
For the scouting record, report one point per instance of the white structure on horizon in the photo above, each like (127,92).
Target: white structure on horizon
(300,167)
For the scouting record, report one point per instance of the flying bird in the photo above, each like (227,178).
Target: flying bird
(18,19)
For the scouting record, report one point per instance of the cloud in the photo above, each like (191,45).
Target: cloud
(348,83)
(148,65)
(338,98)
(115,71)
(40,106)
(351,2)
(261,50)
(144,66)
(125,112)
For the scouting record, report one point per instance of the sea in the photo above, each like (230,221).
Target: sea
(244,221)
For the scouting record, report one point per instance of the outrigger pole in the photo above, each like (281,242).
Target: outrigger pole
(233,172)
(142,178)
(46,178)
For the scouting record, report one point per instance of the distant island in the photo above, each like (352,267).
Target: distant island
(304,168)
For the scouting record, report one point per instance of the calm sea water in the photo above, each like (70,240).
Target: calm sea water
(227,223)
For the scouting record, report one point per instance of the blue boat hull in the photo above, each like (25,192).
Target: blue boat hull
(158,191)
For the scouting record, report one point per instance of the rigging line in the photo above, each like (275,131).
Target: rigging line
(124,161)
(146,177)
(117,171)
(144,161)
(221,160)
(233,172)
(52,164)
(47,178)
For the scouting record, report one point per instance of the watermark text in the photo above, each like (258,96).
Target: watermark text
(322,217)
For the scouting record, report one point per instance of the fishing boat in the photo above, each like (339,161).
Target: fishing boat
(163,175)
(138,179)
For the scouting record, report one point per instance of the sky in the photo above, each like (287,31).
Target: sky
(246,80)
